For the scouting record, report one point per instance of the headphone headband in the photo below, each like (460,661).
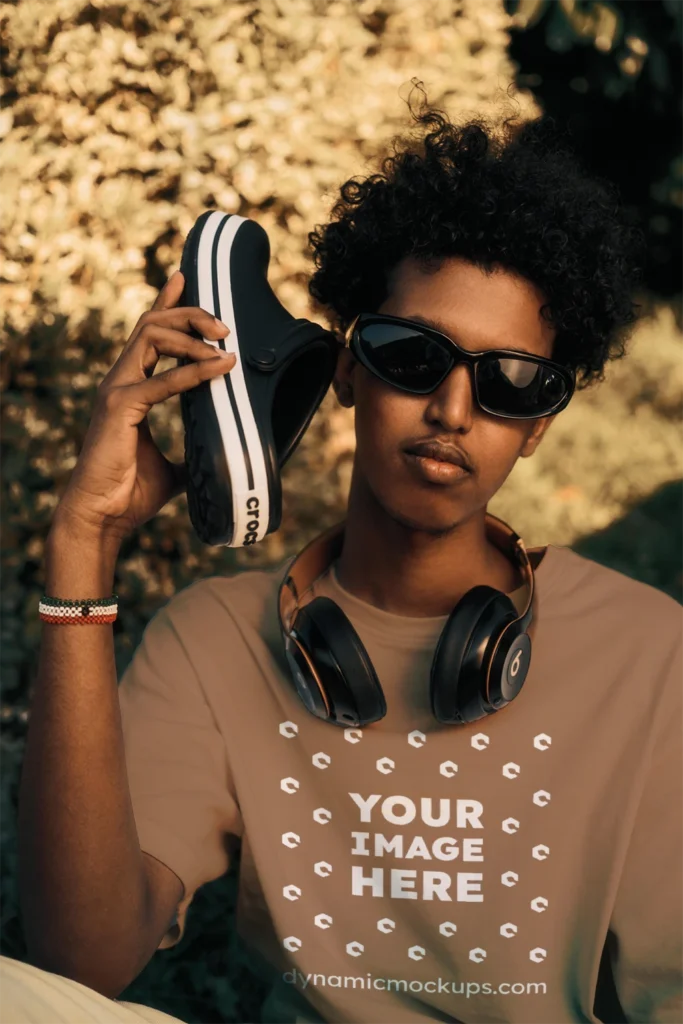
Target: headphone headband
(306,567)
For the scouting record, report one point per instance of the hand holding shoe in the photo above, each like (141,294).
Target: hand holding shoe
(121,479)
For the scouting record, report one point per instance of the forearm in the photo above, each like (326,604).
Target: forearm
(82,882)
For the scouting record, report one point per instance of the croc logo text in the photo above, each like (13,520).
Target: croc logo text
(253,524)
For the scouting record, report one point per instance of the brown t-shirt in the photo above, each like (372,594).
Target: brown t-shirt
(411,871)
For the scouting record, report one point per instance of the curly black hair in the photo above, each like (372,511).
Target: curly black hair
(515,196)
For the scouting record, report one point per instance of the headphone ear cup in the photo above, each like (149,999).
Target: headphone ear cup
(459,667)
(343,666)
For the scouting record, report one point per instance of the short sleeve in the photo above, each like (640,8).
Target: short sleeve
(648,913)
(177,763)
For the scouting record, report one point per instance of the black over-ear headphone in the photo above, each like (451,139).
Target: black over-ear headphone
(480,662)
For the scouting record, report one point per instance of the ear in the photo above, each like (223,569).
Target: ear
(343,378)
(537,433)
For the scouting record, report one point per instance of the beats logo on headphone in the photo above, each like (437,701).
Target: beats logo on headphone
(479,666)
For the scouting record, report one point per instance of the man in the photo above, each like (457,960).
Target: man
(521,866)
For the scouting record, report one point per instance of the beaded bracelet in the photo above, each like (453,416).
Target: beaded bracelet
(68,612)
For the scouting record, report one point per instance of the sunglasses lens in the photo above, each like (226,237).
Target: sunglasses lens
(403,356)
(411,360)
(519,387)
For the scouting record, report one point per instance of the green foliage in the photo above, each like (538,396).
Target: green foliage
(611,73)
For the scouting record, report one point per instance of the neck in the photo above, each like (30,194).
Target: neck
(407,571)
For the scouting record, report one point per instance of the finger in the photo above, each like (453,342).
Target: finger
(181,378)
(192,320)
(189,318)
(166,299)
(139,361)
(171,292)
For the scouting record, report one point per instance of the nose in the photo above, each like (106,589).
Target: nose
(452,404)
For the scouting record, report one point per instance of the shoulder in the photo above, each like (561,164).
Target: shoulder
(247,596)
(581,586)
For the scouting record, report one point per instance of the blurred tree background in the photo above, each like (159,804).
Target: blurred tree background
(122,120)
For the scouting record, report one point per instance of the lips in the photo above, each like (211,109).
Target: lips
(440,452)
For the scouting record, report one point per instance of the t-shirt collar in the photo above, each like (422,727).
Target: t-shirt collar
(408,631)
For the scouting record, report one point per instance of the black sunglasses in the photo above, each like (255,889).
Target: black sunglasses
(417,359)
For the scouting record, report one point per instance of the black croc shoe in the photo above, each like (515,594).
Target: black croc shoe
(241,427)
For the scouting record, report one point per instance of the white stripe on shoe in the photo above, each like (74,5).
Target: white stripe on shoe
(241,441)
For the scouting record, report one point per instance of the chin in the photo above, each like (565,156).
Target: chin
(424,517)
